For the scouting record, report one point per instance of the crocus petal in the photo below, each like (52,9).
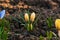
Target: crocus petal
(32,17)
(26,16)
(2,13)
(57,24)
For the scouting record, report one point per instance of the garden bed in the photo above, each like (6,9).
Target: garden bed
(43,10)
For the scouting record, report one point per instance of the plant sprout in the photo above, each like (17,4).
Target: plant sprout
(49,22)
(41,37)
(29,19)
(49,35)
(4,26)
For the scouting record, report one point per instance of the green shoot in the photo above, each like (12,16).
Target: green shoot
(49,35)
(49,22)
(41,37)
(4,29)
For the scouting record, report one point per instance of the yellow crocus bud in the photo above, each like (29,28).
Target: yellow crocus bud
(26,16)
(57,25)
(32,17)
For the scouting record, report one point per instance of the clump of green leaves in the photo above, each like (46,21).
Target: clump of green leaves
(49,35)
(49,22)
(27,19)
(4,29)
(41,37)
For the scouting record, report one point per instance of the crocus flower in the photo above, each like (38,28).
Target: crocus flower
(26,16)
(57,25)
(2,13)
(32,17)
